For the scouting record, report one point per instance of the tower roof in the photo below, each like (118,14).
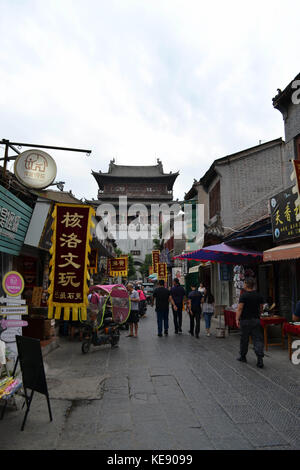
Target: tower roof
(135,172)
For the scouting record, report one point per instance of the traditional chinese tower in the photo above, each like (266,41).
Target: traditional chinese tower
(140,184)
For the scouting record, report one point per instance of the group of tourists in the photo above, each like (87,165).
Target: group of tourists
(198,301)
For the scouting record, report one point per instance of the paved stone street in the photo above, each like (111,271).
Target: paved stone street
(174,392)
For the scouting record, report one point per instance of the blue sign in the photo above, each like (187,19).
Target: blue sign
(15,216)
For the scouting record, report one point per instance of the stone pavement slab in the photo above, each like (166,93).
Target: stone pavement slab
(168,393)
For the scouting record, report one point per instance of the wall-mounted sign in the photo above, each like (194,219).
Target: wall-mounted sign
(35,169)
(14,220)
(283,215)
(13,283)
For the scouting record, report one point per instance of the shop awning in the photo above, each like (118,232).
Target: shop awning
(223,253)
(282,252)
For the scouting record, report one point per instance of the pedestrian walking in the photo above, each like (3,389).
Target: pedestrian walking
(142,303)
(202,288)
(162,298)
(208,309)
(133,318)
(194,306)
(248,320)
(178,296)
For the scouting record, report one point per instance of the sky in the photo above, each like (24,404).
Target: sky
(185,81)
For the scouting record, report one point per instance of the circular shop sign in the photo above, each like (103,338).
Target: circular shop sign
(13,283)
(35,169)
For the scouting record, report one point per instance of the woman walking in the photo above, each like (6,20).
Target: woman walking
(208,309)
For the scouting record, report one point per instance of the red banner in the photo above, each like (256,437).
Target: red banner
(155,260)
(118,266)
(70,257)
(162,272)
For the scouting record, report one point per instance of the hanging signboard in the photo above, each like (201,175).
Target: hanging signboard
(155,260)
(118,266)
(35,169)
(14,220)
(69,263)
(93,266)
(162,272)
(283,216)
(13,283)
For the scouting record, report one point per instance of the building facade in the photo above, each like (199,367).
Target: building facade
(130,186)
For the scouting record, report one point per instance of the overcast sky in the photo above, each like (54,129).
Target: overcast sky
(185,81)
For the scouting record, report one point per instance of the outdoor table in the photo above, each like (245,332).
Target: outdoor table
(291,331)
(274,320)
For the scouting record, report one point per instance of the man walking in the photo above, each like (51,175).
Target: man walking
(178,296)
(194,305)
(248,320)
(161,296)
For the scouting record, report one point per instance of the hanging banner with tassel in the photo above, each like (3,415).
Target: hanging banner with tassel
(93,267)
(70,252)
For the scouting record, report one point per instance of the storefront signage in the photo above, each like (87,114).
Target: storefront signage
(93,267)
(162,272)
(117,266)
(155,260)
(14,220)
(69,262)
(35,169)
(14,310)
(283,216)
(13,283)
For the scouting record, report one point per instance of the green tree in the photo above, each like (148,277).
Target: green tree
(144,269)
(131,267)
(159,242)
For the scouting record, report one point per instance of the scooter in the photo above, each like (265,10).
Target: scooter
(108,334)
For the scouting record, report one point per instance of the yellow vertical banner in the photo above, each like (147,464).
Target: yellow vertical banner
(69,262)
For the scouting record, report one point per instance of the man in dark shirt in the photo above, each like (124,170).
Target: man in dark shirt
(161,296)
(178,295)
(194,305)
(248,320)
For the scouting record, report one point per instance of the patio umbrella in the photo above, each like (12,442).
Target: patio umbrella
(223,253)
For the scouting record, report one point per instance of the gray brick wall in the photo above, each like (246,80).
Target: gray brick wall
(292,122)
(248,182)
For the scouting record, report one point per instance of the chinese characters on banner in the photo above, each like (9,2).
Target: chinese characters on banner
(155,260)
(284,210)
(69,263)
(162,272)
(118,266)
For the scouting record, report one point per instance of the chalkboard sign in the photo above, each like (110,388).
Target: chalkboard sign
(32,368)
(31,363)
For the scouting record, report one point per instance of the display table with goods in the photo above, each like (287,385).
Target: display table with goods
(266,321)
(292,330)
